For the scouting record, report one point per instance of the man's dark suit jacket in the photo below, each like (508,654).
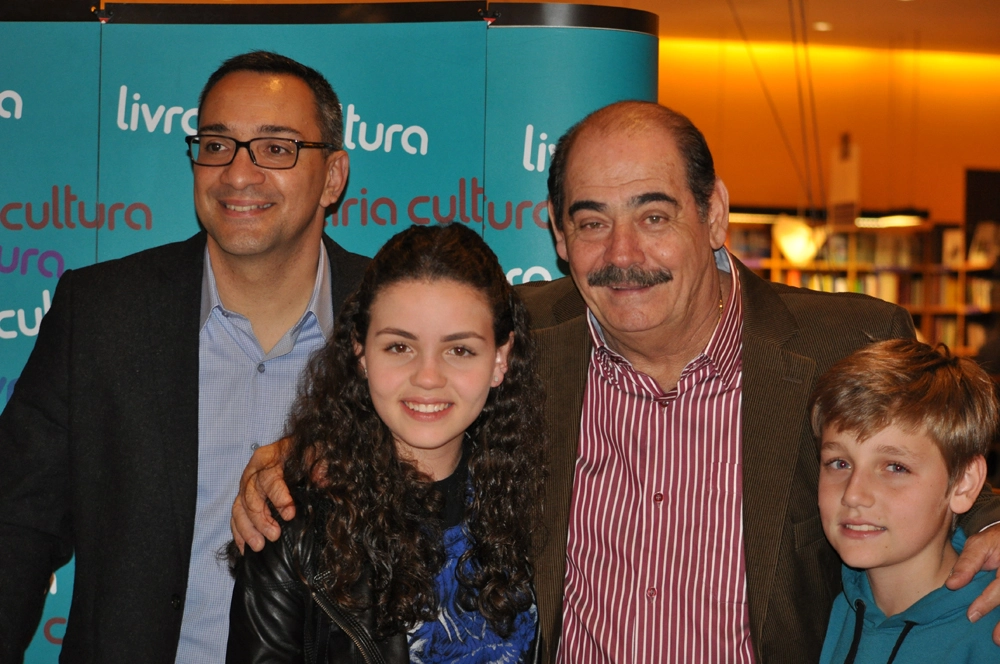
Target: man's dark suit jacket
(99,449)
(790,337)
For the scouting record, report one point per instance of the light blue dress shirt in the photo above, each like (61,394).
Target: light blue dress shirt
(243,400)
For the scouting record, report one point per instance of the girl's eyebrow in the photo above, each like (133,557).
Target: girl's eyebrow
(396,332)
(458,336)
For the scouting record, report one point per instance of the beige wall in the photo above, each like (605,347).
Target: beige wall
(920,118)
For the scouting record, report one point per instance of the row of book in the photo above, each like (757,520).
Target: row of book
(882,249)
(885,249)
(984,248)
(749,243)
(907,289)
(946,332)
(888,286)
(975,334)
(981,292)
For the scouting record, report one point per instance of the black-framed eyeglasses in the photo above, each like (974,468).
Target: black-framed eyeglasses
(266,152)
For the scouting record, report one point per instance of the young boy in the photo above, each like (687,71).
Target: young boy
(903,430)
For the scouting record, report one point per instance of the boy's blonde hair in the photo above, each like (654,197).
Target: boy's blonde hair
(911,385)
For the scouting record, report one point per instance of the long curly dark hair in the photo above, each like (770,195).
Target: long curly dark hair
(379,511)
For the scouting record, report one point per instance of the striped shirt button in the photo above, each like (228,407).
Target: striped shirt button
(651,593)
(657,497)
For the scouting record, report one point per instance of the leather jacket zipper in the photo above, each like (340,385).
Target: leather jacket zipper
(355,631)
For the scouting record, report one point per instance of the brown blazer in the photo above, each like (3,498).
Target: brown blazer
(790,337)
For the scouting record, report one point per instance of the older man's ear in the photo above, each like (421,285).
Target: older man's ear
(718,214)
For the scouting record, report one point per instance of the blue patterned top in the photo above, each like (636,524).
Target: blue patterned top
(463,636)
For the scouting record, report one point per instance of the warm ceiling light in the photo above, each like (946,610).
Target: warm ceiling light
(889,221)
(822,26)
(751,218)
(797,240)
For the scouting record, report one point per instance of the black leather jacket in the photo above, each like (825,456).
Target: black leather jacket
(280,614)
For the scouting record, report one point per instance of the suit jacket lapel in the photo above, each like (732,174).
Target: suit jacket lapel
(776,385)
(564,353)
(175,340)
(346,270)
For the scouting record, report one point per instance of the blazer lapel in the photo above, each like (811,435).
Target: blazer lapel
(176,339)
(776,384)
(346,270)
(564,353)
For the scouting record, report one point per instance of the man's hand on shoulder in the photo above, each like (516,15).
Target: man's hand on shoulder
(263,480)
(981,552)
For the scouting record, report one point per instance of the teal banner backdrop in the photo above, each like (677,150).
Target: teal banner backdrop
(48,192)
(445,120)
(412,97)
(48,130)
(541,81)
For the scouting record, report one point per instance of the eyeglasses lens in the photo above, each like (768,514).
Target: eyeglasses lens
(267,152)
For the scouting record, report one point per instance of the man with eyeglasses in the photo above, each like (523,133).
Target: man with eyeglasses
(154,377)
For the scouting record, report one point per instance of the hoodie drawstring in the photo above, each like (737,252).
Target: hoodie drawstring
(859,624)
(907,626)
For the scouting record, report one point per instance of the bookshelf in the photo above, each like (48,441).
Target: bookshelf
(923,268)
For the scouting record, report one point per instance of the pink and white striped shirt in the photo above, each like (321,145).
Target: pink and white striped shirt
(655,566)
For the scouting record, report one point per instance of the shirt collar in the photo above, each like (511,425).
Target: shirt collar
(724,347)
(320,302)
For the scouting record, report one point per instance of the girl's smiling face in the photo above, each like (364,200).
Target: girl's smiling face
(431,360)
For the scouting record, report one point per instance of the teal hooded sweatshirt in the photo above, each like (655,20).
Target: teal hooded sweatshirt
(933,630)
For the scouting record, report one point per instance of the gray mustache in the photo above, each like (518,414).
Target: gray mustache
(631,277)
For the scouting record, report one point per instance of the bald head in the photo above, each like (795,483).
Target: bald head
(631,118)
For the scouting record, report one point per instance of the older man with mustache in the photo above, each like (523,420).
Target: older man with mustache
(681,501)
